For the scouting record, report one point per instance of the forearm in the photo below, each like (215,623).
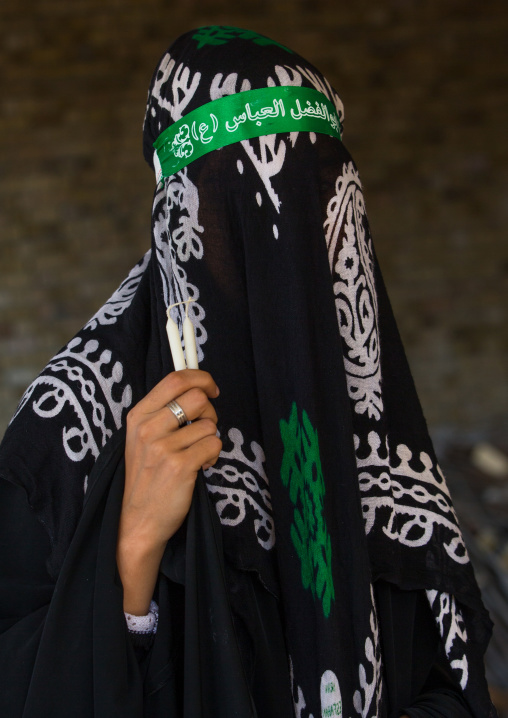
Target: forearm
(138,566)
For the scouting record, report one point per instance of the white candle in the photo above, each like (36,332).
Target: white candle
(175,344)
(189,338)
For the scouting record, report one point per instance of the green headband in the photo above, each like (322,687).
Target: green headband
(241,117)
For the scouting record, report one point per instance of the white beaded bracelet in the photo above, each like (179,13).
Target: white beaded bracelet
(144,624)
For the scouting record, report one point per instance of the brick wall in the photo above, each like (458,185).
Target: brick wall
(424,84)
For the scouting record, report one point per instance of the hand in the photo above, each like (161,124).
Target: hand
(161,466)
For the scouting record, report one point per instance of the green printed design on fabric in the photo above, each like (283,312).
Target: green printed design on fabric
(301,472)
(221,34)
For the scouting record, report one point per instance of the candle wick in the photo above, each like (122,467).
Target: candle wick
(177,304)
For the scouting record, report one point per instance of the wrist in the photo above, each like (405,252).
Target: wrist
(138,563)
(140,546)
(142,531)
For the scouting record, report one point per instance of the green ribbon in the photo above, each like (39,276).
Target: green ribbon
(241,117)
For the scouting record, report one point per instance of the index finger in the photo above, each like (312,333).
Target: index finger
(175,384)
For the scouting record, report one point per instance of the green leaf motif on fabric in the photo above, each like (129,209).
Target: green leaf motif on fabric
(221,34)
(302,474)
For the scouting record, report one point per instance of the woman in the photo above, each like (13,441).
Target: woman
(307,562)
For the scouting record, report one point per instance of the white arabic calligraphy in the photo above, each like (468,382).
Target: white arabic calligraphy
(258,116)
(182,145)
(203,128)
(238,121)
(320,110)
(334,122)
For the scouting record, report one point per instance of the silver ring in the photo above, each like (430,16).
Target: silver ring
(180,415)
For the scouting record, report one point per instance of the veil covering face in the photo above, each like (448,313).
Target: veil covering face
(327,489)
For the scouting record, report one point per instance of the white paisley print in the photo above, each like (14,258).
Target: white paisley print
(177,239)
(85,382)
(352,267)
(401,487)
(403,490)
(413,490)
(239,487)
(85,377)
(183,87)
(367,700)
(452,631)
(122,298)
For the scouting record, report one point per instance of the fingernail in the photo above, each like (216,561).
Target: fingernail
(217,391)
(206,466)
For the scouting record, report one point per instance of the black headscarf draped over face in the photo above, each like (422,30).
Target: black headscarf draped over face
(327,482)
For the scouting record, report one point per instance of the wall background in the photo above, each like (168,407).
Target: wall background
(424,86)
